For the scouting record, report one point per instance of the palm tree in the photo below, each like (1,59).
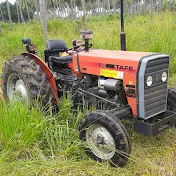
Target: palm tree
(8,10)
(9,14)
(83,3)
(108,4)
(18,12)
(26,4)
(151,10)
(2,16)
(43,17)
(72,10)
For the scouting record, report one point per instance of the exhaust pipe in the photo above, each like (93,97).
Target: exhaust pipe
(122,33)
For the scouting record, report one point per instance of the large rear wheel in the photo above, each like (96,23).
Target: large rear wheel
(106,138)
(23,80)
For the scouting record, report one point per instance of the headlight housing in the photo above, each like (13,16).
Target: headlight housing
(149,81)
(164,76)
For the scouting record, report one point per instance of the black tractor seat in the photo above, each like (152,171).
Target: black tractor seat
(54,48)
(61,59)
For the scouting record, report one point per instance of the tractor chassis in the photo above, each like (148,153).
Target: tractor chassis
(149,127)
(155,125)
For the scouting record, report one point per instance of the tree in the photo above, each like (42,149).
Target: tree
(83,3)
(8,10)
(18,12)
(2,16)
(43,17)
(26,5)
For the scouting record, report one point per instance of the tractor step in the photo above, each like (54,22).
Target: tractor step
(155,125)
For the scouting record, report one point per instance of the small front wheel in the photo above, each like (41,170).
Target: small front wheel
(106,138)
(171,100)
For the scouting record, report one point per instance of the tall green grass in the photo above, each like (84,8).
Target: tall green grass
(60,133)
(19,126)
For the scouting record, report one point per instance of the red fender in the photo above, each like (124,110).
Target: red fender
(46,70)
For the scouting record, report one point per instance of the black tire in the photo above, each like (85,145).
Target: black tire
(171,100)
(117,131)
(35,80)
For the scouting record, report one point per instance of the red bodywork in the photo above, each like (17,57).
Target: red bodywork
(125,64)
(95,62)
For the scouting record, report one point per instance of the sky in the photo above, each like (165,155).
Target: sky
(12,1)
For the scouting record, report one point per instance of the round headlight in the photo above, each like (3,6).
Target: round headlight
(149,81)
(164,76)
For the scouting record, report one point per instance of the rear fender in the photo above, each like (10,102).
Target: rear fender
(46,70)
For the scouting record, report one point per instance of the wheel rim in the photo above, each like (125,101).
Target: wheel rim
(100,141)
(16,89)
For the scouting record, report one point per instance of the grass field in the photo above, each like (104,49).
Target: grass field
(33,145)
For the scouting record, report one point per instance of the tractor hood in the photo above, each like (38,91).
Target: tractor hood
(126,61)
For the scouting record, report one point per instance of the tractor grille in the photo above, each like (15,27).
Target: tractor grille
(155,96)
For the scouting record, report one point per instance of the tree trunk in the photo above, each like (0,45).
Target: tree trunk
(57,6)
(108,4)
(21,13)
(114,6)
(9,14)
(103,6)
(2,16)
(151,10)
(37,9)
(43,18)
(132,9)
(83,3)
(72,14)
(27,10)
(18,13)
(144,7)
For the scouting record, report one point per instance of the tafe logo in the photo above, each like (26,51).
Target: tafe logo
(121,67)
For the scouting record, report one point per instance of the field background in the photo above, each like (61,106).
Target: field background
(33,145)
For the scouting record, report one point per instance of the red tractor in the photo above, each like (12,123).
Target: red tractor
(121,84)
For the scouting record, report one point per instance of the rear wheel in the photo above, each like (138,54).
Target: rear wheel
(106,138)
(24,80)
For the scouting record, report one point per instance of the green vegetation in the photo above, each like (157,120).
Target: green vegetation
(33,145)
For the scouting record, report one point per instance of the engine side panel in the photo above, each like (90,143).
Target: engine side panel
(112,64)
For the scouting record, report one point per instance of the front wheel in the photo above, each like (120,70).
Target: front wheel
(106,138)
(171,100)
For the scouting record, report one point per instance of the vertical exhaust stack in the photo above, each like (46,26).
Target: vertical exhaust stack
(122,33)
(86,36)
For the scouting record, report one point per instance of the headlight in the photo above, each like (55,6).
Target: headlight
(149,81)
(164,76)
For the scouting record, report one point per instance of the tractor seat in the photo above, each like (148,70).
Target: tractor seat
(53,48)
(61,59)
